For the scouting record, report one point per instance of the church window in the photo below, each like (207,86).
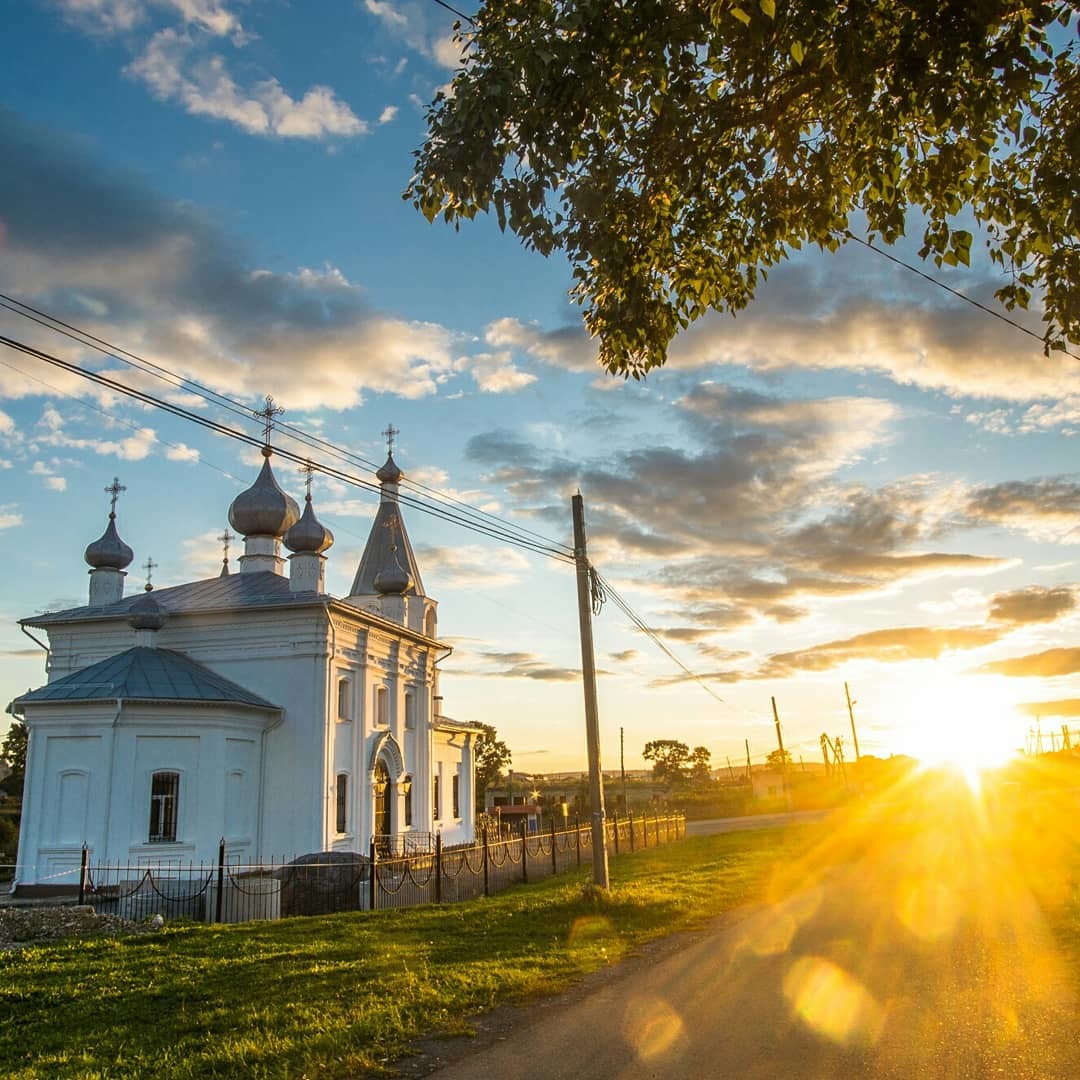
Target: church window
(410,710)
(455,792)
(429,623)
(342,803)
(436,812)
(408,800)
(164,799)
(382,706)
(344,699)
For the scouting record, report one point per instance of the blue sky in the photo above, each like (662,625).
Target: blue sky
(859,478)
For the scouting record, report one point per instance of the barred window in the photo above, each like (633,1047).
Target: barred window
(342,802)
(164,802)
(454,794)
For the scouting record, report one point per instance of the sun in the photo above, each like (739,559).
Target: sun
(964,721)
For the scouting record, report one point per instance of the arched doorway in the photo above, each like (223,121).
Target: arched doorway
(382,822)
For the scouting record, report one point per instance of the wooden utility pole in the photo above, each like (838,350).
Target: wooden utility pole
(783,755)
(622,768)
(588,678)
(851,717)
(826,745)
(731,771)
(747,741)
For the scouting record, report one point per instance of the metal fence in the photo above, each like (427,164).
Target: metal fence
(348,881)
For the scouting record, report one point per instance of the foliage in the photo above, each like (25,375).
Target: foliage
(670,759)
(13,751)
(700,776)
(778,759)
(340,996)
(677,150)
(492,756)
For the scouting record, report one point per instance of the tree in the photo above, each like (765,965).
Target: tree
(778,759)
(677,149)
(13,752)
(670,759)
(700,774)
(492,756)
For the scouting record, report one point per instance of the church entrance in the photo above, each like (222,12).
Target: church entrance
(382,801)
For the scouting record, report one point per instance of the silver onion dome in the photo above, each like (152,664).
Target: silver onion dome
(389,473)
(264,509)
(393,579)
(308,536)
(147,613)
(108,550)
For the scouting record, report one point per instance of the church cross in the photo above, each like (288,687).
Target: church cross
(267,414)
(391,523)
(114,490)
(149,566)
(225,537)
(309,471)
(389,435)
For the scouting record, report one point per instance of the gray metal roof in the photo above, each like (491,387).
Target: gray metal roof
(261,589)
(387,531)
(146,674)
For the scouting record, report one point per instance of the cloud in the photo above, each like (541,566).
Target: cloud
(1046,508)
(10,517)
(1033,604)
(50,432)
(1061,707)
(471,565)
(568,347)
(177,290)
(205,88)
(495,373)
(1043,665)
(388,114)
(182,452)
(518,665)
(105,17)
(624,656)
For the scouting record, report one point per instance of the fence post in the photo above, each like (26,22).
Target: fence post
(220,880)
(438,867)
(554,864)
(82,875)
(373,883)
(615,828)
(630,815)
(577,835)
(487,888)
(524,851)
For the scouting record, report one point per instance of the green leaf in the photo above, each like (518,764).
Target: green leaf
(797,52)
(741,15)
(768,8)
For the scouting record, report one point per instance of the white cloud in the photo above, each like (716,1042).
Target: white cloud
(103,16)
(210,16)
(471,565)
(386,11)
(205,88)
(388,114)
(182,452)
(9,516)
(56,483)
(567,347)
(495,373)
(7,425)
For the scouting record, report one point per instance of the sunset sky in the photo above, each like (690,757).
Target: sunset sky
(860,478)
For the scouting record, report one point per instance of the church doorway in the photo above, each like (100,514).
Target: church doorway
(383,824)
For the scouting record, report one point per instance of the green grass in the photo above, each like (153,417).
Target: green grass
(342,995)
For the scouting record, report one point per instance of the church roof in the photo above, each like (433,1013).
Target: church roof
(387,533)
(261,589)
(146,674)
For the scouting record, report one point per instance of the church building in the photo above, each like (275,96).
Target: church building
(251,707)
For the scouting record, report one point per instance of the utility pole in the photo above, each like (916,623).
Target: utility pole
(588,678)
(731,771)
(825,747)
(1066,742)
(747,741)
(622,768)
(851,717)
(783,756)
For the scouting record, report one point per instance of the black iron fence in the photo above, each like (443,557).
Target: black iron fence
(348,881)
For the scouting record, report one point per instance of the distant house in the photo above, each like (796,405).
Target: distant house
(251,706)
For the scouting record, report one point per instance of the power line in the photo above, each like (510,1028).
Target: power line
(172,378)
(955,292)
(432,509)
(460,14)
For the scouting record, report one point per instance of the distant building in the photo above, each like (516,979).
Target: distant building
(252,706)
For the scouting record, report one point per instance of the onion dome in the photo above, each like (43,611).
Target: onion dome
(389,473)
(109,551)
(308,536)
(393,578)
(264,509)
(147,613)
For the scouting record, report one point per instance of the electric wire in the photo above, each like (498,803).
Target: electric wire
(460,14)
(172,378)
(432,509)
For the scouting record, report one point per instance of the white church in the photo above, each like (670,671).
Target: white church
(252,706)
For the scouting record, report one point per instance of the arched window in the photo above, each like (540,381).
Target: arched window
(164,807)
(344,698)
(382,706)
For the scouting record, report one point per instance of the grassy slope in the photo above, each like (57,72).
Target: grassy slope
(339,995)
